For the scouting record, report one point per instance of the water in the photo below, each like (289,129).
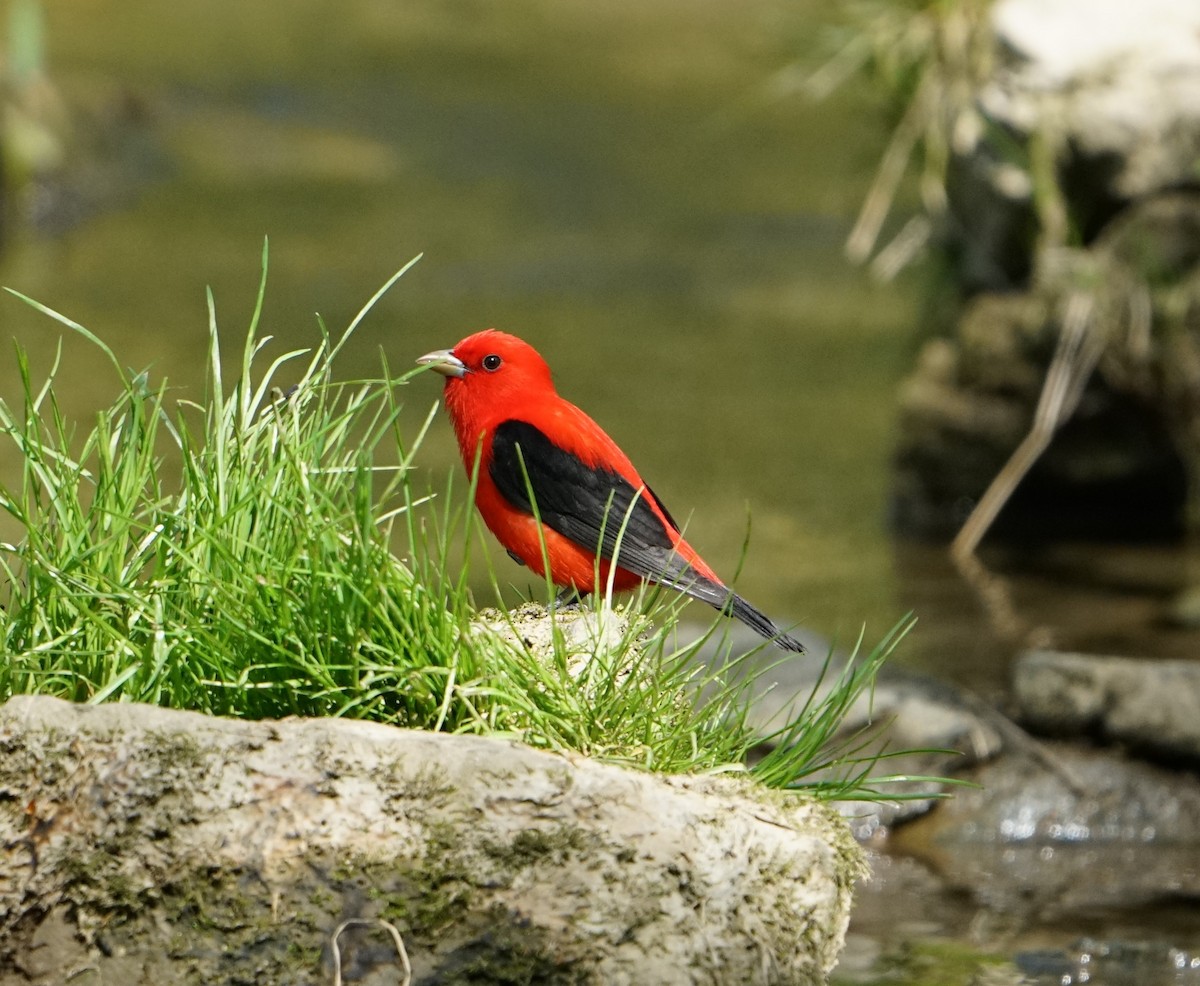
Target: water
(624,185)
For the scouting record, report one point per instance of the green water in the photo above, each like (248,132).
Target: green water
(624,185)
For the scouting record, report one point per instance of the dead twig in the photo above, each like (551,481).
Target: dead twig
(882,193)
(401,952)
(1080,344)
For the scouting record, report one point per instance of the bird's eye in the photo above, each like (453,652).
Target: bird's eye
(492,362)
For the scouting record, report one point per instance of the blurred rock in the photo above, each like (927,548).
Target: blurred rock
(1119,101)
(1126,89)
(1040,831)
(1119,465)
(1150,706)
(147,845)
(1184,609)
(923,730)
(1087,137)
(1027,842)
(1113,469)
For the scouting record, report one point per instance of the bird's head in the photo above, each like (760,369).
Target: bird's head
(489,371)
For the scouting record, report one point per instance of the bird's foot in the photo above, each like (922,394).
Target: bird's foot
(567,599)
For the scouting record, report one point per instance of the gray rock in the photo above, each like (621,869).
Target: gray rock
(1104,123)
(147,845)
(918,710)
(1027,844)
(1113,468)
(1152,706)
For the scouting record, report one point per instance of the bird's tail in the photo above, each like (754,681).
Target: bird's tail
(760,623)
(721,597)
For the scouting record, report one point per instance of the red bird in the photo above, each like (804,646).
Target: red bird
(539,452)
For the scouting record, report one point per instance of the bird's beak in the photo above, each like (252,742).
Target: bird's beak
(444,362)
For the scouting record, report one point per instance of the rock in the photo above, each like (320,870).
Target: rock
(1150,706)
(584,632)
(918,710)
(1119,465)
(1089,137)
(1025,843)
(1184,610)
(148,845)
(1126,90)
(1118,103)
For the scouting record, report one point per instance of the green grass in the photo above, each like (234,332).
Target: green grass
(262,553)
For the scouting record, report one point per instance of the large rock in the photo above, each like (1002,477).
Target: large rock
(1126,90)
(1119,465)
(1151,706)
(1114,468)
(146,845)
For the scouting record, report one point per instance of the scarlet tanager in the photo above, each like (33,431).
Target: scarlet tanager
(537,451)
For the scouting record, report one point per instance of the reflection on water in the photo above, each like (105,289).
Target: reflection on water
(615,182)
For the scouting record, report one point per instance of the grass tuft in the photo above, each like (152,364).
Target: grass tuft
(263,553)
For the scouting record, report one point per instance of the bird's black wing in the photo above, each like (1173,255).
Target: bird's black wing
(594,507)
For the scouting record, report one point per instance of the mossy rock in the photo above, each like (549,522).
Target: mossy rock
(159,846)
